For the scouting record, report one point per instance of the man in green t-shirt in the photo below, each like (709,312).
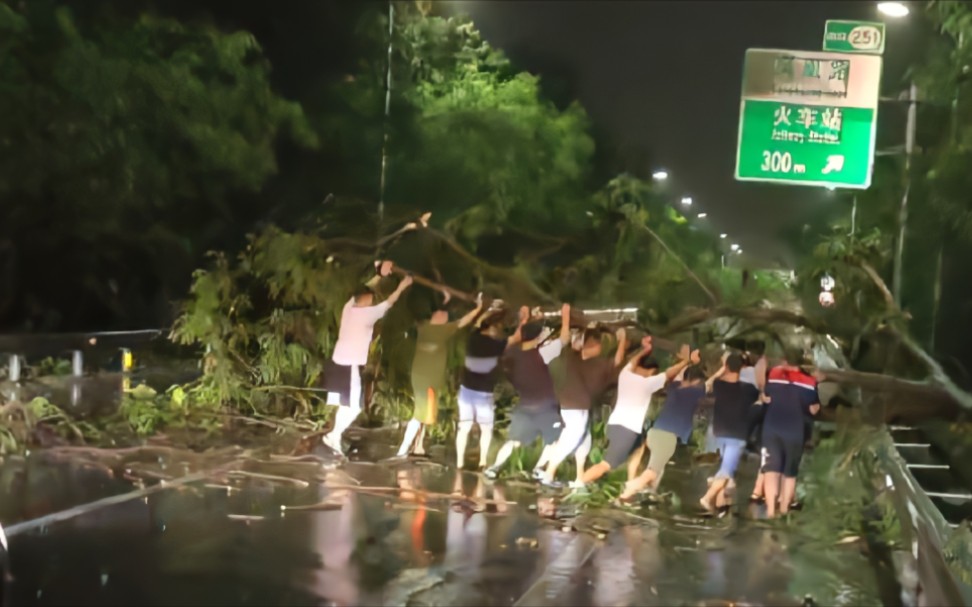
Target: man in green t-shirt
(429,372)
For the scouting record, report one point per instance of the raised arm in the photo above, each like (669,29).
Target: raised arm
(673,371)
(524,319)
(722,371)
(466,320)
(622,337)
(565,324)
(404,284)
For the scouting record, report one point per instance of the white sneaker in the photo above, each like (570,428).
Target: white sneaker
(576,485)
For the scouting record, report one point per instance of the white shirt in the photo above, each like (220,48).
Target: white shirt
(634,397)
(355,333)
(551,350)
(747,375)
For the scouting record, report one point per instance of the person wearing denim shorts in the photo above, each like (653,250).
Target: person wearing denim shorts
(730,425)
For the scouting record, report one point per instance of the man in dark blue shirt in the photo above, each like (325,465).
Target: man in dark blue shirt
(674,423)
(791,396)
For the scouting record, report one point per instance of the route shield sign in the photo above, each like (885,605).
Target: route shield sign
(808,118)
(854,36)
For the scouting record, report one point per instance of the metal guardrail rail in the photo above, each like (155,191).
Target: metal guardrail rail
(923,527)
(18,347)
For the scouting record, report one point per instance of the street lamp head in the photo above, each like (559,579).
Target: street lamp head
(702,215)
(687,201)
(893,9)
(739,251)
(723,235)
(660,175)
(734,247)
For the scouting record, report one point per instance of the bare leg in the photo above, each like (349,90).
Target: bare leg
(595,472)
(634,461)
(505,452)
(546,455)
(420,441)
(709,500)
(411,431)
(580,456)
(647,478)
(485,436)
(787,493)
(771,486)
(462,439)
(758,489)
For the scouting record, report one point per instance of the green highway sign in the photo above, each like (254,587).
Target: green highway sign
(808,118)
(854,37)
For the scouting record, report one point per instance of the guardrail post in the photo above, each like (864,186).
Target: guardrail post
(13,368)
(77,363)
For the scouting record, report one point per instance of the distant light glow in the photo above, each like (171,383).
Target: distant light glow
(830,188)
(734,247)
(702,215)
(660,175)
(687,201)
(893,9)
(723,235)
(739,251)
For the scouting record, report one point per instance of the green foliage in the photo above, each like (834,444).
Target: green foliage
(131,139)
(53,366)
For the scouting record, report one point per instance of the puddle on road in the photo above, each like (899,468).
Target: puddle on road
(391,535)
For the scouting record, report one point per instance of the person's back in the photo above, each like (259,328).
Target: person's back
(530,377)
(791,392)
(681,403)
(731,410)
(481,365)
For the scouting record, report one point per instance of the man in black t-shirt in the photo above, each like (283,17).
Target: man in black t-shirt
(537,413)
(483,351)
(730,425)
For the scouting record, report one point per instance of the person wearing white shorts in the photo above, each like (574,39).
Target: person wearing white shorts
(483,350)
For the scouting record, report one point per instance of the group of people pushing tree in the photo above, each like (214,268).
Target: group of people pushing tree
(560,375)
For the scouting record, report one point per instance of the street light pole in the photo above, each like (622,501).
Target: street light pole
(903,209)
(384,144)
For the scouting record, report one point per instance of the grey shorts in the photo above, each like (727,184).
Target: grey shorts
(526,425)
(622,442)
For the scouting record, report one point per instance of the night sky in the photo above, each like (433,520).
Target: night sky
(666,76)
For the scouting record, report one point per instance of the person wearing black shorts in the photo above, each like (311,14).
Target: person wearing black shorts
(791,396)
(537,413)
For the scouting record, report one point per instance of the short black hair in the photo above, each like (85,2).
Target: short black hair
(694,373)
(648,362)
(795,356)
(531,330)
(592,335)
(734,363)
(363,290)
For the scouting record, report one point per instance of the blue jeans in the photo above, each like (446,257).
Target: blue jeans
(731,449)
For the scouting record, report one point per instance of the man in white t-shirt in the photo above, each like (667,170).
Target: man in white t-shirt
(343,374)
(637,383)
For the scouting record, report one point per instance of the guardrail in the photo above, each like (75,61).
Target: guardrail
(922,526)
(19,347)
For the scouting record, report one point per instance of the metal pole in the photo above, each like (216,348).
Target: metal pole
(903,210)
(384,145)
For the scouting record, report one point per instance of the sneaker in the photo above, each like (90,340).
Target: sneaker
(576,485)
(554,484)
(537,474)
(491,473)
(707,505)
